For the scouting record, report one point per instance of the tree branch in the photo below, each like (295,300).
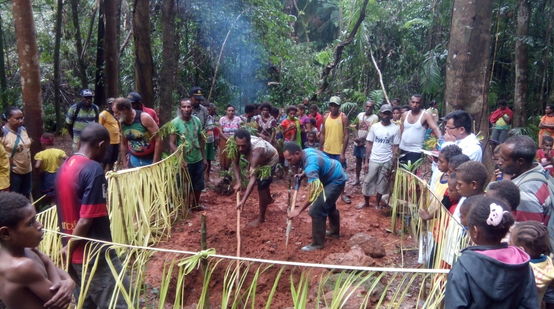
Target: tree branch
(338,52)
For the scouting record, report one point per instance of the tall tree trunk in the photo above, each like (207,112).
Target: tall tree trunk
(111,46)
(467,66)
(57,78)
(79,44)
(522,63)
(144,67)
(170,56)
(27,52)
(99,90)
(3,80)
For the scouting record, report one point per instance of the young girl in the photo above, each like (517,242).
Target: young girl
(532,236)
(491,274)
(545,154)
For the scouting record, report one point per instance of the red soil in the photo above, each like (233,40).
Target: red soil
(268,240)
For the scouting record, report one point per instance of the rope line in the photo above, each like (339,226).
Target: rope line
(277,262)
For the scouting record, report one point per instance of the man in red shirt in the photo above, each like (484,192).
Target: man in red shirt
(82,211)
(136,99)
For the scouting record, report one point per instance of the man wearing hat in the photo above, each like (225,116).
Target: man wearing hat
(80,115)
(198,110)
(136,102)
(334,135)
(381,153)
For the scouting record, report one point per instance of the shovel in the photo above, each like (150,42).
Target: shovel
(292,205)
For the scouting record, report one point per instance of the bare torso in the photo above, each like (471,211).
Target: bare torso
(13,294)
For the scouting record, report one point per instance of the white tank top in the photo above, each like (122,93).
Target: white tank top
(413,135)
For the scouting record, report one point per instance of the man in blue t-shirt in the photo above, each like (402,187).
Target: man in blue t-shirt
(318,168)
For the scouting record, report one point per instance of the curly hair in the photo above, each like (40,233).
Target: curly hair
(450,151)
(532,236)
(11,205)
(473,171)
(505,190)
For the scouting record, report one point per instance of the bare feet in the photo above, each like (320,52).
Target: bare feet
(362,205)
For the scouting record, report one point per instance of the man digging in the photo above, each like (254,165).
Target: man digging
(325,175)
(262,156)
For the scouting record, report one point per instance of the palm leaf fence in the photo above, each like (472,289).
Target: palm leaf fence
(438,240)
(141,215)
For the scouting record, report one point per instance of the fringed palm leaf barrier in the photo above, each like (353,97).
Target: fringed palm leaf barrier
(256,283)
(144,202)
(439,239)
(153,198)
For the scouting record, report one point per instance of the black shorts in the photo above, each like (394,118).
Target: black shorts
(196,172)
(112,153)
(406,156)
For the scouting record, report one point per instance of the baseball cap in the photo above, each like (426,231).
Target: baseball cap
(196,92)
(87,93)
(385,108)
(134,97)
(335,100)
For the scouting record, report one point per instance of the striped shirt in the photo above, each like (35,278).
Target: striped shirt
(535,195)
(317,165)
(79,122)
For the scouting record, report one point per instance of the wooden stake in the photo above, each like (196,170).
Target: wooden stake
(238,237)
(292,205)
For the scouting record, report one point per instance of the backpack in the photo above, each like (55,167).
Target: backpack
(78,109)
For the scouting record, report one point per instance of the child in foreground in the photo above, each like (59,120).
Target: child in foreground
(532,237)
(28,278)
(491,274)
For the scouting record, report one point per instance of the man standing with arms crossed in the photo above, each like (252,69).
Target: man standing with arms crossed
(334,135)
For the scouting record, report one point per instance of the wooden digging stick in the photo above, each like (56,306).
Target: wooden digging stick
(292,206)
(238,236)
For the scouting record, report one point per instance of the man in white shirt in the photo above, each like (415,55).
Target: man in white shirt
(364,121)
(459,132)
(381,152)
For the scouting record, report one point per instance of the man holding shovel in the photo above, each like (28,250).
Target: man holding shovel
(326,180)
(262,156)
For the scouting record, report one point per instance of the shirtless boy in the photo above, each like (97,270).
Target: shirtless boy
(28,278)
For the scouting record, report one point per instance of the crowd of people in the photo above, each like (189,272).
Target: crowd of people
(507,214)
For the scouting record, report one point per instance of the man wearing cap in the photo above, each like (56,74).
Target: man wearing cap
(381,153)
(136,102)
(413,127)
(334,135)
(80,115)
(198,110)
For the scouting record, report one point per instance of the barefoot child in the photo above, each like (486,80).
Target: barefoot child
(532,237)
(491,274)
(28,278)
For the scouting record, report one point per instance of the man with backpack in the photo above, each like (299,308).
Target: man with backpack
(80,115)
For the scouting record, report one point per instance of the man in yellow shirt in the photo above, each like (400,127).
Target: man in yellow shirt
(107,119)
(334,135)
(48,162)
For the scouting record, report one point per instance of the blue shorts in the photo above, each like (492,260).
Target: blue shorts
(48,184)
(359,151)
(135,161)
